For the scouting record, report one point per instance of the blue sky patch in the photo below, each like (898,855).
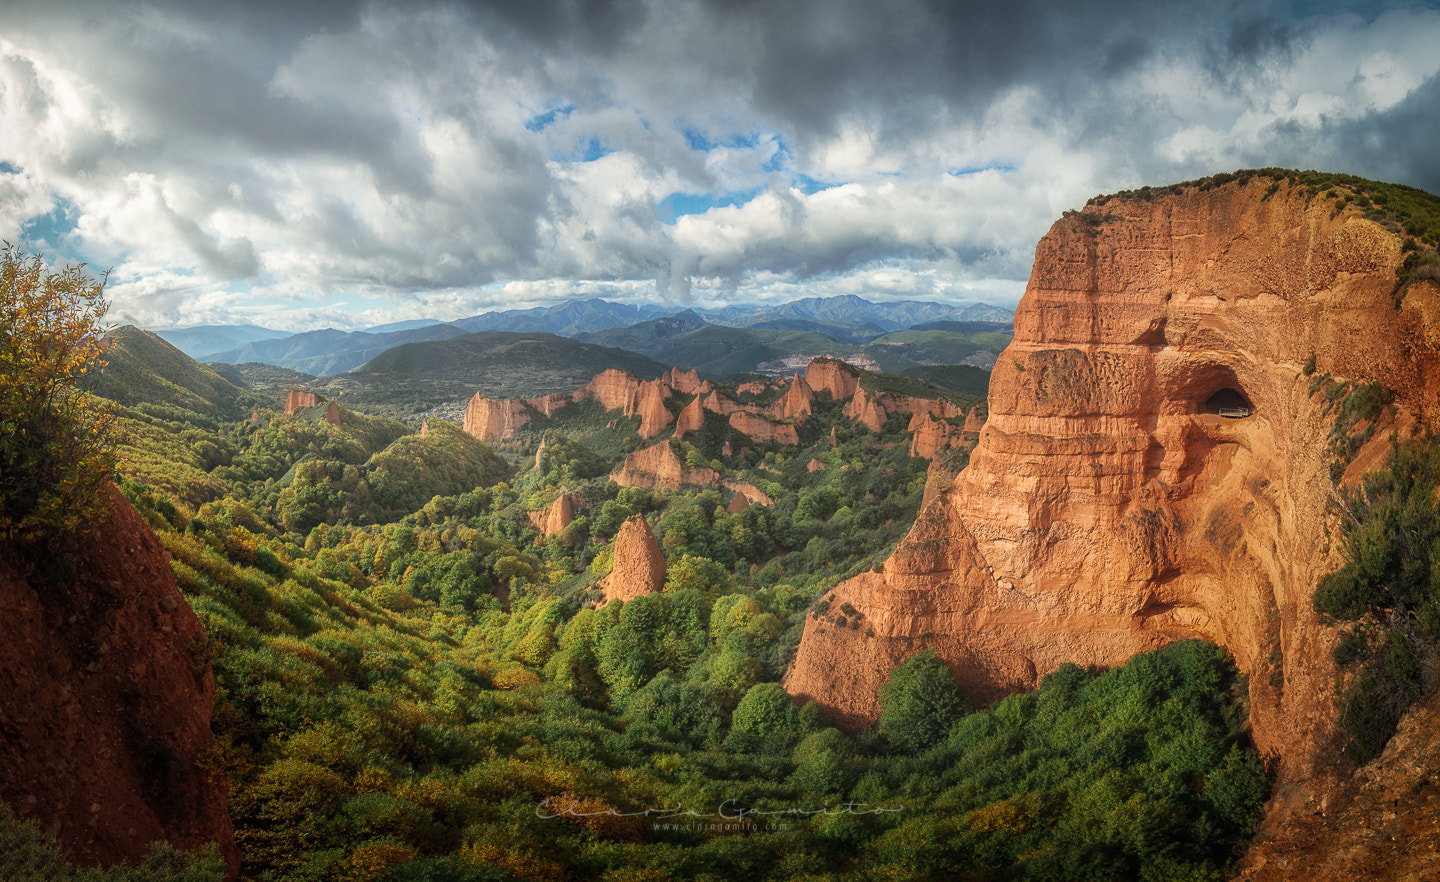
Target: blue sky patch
(677,205)
(547,119)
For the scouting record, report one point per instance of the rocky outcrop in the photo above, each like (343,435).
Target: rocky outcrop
(549,405)
(639,567)
(650,405)
(833,376)
(929,436)
(491,419)
(687,382)
(754,387)
(723,405)
(796,403)
(658,467)
(737,504)
(105,698)
(691,419)
(1105,510)
(754,495)
(556,516)
(1383,825)
(763,431)
(332,414)
(868,410)
(623,391)
(297,399)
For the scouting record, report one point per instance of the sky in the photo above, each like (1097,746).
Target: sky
(305,165)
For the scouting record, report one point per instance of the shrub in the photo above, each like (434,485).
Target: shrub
(56,446)
(921,702)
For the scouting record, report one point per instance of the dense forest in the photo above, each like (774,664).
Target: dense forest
(415,683)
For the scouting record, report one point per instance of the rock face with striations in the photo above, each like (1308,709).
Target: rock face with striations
(1108,509)
(297,399)
(639,567)
(833,376)
(796,403)
(490,419)
(105,698)
(763,431)
(658,467)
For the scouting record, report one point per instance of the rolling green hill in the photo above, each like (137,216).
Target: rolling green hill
(143,369)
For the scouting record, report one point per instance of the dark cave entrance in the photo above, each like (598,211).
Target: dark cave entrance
(1230,403)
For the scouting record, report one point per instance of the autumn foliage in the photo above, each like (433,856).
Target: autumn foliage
(56,450)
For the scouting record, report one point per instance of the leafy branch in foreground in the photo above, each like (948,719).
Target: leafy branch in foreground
(56,445)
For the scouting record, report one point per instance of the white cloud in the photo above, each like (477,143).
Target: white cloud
(376,162)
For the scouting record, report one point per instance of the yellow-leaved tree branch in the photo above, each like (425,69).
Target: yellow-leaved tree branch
(56,440)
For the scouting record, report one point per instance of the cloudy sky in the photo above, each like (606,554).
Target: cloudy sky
(301,165)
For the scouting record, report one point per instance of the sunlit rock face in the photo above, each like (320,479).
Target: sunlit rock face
(1109,508)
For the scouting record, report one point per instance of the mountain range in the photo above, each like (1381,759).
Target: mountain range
(841,321)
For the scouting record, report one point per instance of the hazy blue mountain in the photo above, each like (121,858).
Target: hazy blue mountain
(567,319)
(328,352)
(408,325)
(850,311)
(647,337)
(202,341)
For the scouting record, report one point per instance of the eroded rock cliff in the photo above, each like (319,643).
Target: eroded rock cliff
(105,698)
(639,566)
(1108,508)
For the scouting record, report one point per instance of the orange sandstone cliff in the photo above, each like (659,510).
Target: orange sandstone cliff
(1108,509)
(490,419)
(105,698)
(639,567)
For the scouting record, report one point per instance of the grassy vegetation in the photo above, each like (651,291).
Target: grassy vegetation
(1386,596)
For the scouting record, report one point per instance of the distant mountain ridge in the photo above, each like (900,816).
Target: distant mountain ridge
(820,324)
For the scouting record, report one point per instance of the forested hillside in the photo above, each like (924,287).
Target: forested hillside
(416,682)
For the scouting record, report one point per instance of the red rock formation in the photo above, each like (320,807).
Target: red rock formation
(657,466)
(424,428)
(761,430)
(723,405)
(614,389)
(868,410)
(556,516)
(687,382)
(737,504)
(834,376)
(814,465)
(975,419)
(639,567)
(754,387)
(754,495)
(332,414)
(691,419)
(650,405)
(491,419)
(549,405)
(929,437)
(105,699)
(1104,511)
(297,399)
(796,403)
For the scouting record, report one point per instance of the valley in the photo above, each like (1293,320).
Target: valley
(1024,603)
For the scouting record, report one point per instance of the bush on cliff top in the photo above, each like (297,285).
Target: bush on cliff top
(56,450)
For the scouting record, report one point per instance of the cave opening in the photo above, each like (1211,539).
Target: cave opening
(1230,403)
